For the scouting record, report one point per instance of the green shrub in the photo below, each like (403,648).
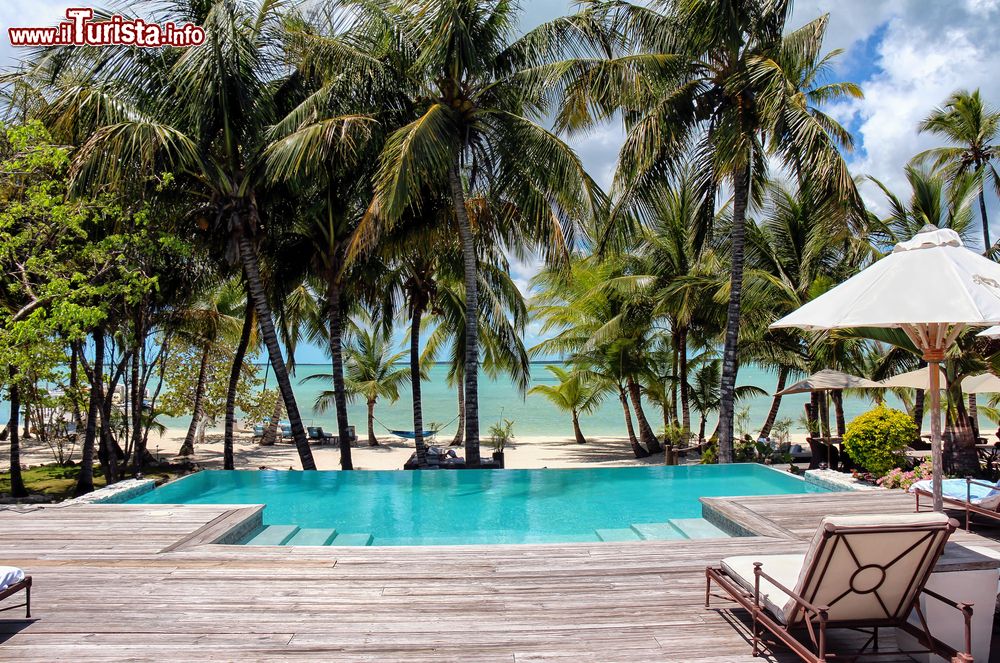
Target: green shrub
(876,439)
(710,455)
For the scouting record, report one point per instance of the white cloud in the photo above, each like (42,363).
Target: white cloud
(927,51)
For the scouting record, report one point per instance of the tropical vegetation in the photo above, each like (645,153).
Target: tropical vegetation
(334,172)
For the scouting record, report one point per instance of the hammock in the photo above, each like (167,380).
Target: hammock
(412,435)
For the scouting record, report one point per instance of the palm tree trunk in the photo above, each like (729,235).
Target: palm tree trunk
(372,440)
(74,384)
(837,395)
(824,411)
(730,365)
(135,392)
(85,480)
(675,399)
(964,458)
(228,459)
(646,434)
(255,287)
(459,438)
(974,416)
(418,412)
(682,371)
(187,448)
(471,317)
(636,447)
(918,410)
(271,430)
(772,414)
(17,488)
(336,321)
(580,439)
(986,222)
(701,429)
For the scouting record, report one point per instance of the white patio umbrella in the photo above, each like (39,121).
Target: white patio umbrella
(932,288)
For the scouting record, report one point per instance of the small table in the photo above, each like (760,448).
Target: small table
(967,574)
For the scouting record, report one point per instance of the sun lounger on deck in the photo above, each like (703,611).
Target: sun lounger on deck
(860,572)
(12,581)
(968,494)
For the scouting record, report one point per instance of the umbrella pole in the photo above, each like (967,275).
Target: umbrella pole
(937,459)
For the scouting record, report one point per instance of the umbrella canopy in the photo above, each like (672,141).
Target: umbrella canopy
(828,380)
(932,288)
(984,383)
(918,379)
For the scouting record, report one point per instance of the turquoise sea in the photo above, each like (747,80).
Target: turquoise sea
(533,414)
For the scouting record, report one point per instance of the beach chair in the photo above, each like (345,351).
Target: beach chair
(860,572)
(967,494)
(318,435)
(12,581)
(258,431)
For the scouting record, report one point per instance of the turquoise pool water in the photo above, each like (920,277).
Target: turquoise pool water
(479,506)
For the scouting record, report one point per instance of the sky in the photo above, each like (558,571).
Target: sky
(908,56)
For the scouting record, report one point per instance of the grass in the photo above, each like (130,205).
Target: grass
(58,481)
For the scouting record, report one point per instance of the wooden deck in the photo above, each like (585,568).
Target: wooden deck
(113,583)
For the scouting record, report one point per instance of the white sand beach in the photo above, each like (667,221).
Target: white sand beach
(526,452)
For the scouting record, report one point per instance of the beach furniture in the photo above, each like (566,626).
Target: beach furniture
(968,494)
(12,581)
(317,434)
(862,573)
(258,430)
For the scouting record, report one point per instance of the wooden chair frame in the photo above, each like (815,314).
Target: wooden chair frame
(24,585)
(815,618)
(965,505)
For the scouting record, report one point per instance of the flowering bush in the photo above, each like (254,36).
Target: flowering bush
(897,478)
(875,440)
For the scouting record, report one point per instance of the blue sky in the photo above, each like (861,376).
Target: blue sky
(907,55)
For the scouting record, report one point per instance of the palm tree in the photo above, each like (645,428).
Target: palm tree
(799,249)
(973,129)
(203,115)
(214,317)
(373,372)
(706,394)
(503,315)
(718,83)
(574,394)
(475,130)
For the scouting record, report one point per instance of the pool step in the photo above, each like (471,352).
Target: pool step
(624,534)
(698,528)
(273,535)
(312,537)
(658,531)
(351,540)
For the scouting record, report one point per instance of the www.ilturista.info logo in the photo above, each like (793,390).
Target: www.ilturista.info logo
(80,30)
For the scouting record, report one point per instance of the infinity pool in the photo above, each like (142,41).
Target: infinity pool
(397,508)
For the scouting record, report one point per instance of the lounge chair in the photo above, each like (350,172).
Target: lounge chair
(12,581)
(258,430)
(860,572)
(317,434)
(968,494)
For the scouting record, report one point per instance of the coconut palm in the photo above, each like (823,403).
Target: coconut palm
(475,130)
(800,248)
(203,115)
(973,129)
(373,372)
(706,394)
(574,394)
(719,83)
(503,315)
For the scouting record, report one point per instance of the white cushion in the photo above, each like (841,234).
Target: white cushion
(10,575)
(783,568)
(957,489)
